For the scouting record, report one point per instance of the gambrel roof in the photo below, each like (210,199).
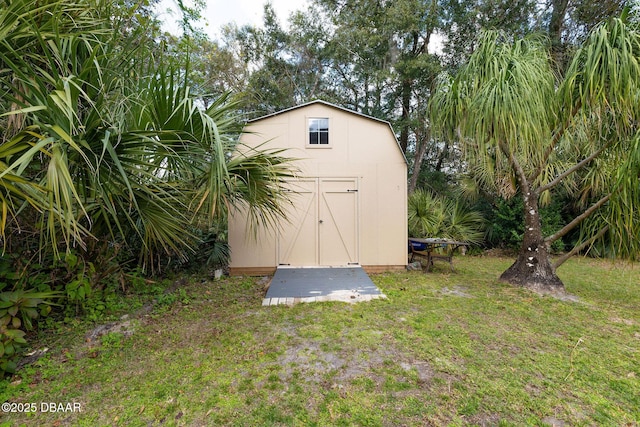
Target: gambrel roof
(337,107)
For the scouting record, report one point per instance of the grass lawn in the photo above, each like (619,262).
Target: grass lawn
(443,349)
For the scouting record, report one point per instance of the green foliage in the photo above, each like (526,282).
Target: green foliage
(12,342)
(109,145)
(434,216)
(18,309)
(505,227)
(28,290)
(527,130)
(552,221)
(506,218)
(213,251)
(77,287)
(437,182)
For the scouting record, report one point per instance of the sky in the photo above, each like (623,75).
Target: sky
(245,12)
(222,12)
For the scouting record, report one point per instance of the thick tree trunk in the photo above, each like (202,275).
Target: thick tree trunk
(533,269)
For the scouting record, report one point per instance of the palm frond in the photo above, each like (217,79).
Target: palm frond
(108,143)
(433,216)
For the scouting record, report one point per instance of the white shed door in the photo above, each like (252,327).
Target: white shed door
(298,237)
(323,224)
(338,221)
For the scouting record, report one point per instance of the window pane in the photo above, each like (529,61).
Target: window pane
(319,131)
(324,137)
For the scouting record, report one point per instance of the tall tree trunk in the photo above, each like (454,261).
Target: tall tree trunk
(533,269)
(406,107)
(556,23)
(423,137)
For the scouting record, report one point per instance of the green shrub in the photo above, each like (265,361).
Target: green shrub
(18,309)
(435,216)
(506,223)
(505,226)
(212,252)
(28,290)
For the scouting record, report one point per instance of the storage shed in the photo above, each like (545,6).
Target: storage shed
(349,202)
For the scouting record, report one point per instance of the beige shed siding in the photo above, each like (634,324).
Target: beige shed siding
(360,148)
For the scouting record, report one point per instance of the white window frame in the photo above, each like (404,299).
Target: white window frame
(308,133)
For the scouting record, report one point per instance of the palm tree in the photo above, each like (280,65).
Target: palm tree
(102,139)
(527,131)
(433,216)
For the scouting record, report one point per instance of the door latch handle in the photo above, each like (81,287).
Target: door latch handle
(321,221)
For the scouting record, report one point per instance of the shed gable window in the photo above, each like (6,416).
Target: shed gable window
(319,131)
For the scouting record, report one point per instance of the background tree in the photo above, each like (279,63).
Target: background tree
(568,23)
(524,132)
(366,55)
(379,54)
(463,20)
(286,66)
(379,59)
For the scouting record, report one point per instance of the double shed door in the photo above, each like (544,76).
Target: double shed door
(322,227)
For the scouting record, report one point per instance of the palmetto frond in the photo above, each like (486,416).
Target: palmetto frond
(112,144)
(432,216)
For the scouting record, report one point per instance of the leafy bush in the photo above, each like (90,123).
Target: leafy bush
(18,309)
(28,290)
(506,223)
(213,250)
(434,216)
(505,226)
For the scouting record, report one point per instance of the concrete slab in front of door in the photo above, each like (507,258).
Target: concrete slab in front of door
(291,285)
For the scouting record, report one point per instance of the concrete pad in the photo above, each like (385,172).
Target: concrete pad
(348,284)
